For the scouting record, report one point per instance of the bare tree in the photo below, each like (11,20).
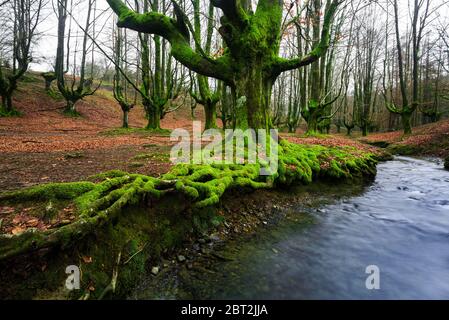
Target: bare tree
(26,15)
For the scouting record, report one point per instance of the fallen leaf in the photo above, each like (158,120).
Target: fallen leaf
(16,220)
(33,222)
(17,230)
(7,210)
(87,259)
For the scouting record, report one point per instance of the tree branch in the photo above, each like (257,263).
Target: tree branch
(282,64)
(168,28)
(232,10)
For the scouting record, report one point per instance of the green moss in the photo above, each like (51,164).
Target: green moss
(162,157)
(11,113)
(192,189)
(49,191)
(74,155)
(404,149)
(135,164)
(142,131)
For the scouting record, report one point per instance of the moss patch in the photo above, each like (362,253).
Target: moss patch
(179,203)
(404,149)
(142,131)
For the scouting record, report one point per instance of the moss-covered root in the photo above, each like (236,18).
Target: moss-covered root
(204,185)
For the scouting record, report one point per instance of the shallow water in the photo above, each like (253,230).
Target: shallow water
(400,223)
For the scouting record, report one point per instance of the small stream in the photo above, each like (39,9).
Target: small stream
(399,223)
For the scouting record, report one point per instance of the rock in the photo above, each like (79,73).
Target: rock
(189,266)
(214,237)
(64,222)
(446,163)
(202,241)
(274,250)
(181,258)
(196,246)
(155,270)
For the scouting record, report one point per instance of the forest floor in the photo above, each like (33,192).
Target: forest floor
(44,145)
(429,140)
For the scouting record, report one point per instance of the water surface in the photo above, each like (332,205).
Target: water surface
(400,223)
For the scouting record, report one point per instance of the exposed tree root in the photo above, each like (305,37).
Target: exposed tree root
(98,203)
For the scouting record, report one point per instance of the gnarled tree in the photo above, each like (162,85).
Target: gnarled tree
(251,61)
(26,15)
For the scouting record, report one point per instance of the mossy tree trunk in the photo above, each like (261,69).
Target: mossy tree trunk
(158,87)
(251,62)
(74,92)
(26,17)
(210,109)
(7,104)
(317,110)
(419,16)
(406,121)
(119,85)
(204,96)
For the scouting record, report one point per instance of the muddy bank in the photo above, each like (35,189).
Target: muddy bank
(159,241)
(122,223)
(188,272)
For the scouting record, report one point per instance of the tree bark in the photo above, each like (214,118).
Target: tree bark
(125,119)
(406,122)
(250,64)
(210,110)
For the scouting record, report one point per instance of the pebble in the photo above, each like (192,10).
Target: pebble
(214,237)
(181,258)
(155,270)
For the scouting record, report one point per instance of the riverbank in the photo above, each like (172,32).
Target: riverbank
(118,221)
(62,211)
(397,223)
(249,219)
(428,140)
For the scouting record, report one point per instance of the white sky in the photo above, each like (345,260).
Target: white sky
(45,50)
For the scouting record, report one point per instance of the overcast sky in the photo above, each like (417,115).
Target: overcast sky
(45,50)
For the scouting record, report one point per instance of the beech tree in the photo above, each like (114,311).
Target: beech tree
(419,21)
(81,88)
(120,91)
(205,96)
(251,62)
(25,16)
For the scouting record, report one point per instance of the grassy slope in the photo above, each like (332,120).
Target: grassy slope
(93,210)
(430,139)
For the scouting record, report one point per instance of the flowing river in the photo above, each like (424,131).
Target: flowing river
(399,223)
